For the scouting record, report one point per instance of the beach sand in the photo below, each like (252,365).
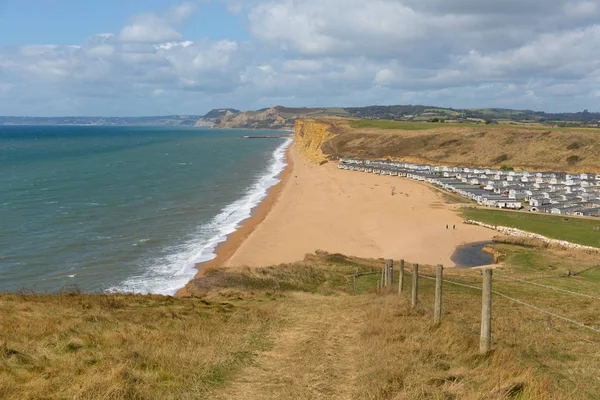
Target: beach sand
(354,213)
(320,207)
(227,249)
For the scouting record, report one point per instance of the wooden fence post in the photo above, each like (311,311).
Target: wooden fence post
(401,278)
(378,285)
(389,266)
(437,307)
(382,277)
(415,285)
(485,342)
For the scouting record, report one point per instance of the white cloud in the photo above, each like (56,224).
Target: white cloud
(149,28)
(181,12)
(511,53)
(385,77)
(582,9)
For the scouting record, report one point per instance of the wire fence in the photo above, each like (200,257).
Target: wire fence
(487,288)
(548,287)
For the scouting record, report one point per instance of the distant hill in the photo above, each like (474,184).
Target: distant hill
(171,120)
(217,113)
(274,118)
(280,117)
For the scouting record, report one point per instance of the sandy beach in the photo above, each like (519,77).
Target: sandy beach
(354,213)
(320,207)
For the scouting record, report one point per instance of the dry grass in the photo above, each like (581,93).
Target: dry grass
(125,347)
(479,146)
(300,332)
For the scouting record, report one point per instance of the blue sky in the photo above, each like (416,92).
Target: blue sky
(73,21)
(131,57)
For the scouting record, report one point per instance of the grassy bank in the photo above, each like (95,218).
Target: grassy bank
(126,347)
(300,331)
(577,230)
(463,144)
(423,125)
(404,126)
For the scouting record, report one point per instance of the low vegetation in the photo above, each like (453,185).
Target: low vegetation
(585,231)
(535,148)
(300,331)
(396,125)
(75,346)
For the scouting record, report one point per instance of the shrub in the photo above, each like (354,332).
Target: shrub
(501,158)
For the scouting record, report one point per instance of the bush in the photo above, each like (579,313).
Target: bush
(501,158)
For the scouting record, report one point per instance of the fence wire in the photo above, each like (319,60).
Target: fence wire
(548,287)
(580,324)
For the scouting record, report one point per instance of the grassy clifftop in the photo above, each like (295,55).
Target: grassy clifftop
(300,331)
(534,148)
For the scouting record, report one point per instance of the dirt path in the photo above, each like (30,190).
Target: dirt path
(313,357)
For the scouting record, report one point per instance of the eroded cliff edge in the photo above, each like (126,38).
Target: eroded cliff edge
(531,149)
(311,136)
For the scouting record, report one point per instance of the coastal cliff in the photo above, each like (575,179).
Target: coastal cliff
(311,136)
(265,119)
(501,146)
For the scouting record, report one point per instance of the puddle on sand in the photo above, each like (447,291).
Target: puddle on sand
(472,255)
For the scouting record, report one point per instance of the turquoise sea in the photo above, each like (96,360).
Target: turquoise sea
(127,209)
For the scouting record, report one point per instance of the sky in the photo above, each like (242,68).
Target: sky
(162,57)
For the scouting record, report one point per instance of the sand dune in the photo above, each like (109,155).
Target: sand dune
(322,207)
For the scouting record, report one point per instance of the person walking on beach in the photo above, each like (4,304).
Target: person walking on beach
(446,226)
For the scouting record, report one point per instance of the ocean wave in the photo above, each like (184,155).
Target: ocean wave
(173,270)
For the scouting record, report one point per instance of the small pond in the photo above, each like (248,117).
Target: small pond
(472,255)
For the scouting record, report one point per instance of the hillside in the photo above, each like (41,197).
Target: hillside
(533,148)
(301,331)
(280,117)
(283,117)
(270,118)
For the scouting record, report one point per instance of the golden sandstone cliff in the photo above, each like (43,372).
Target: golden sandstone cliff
(311,135)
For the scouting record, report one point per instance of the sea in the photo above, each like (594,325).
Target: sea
(124,209)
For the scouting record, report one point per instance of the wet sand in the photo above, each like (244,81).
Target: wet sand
(225,250)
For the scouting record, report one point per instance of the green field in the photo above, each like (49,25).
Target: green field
(400,125)
(420,126)
(577,230)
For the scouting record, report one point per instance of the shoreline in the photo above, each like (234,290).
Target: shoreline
(322,207)
(226,249)
(363,215)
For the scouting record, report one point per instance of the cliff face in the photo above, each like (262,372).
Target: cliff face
(311,135)
(461,145)
(266,119)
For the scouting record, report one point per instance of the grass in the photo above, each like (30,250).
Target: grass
(576,230)
(439,362)
(410,126)
(399,125)
(299,331)
(535,148)
(125,347)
